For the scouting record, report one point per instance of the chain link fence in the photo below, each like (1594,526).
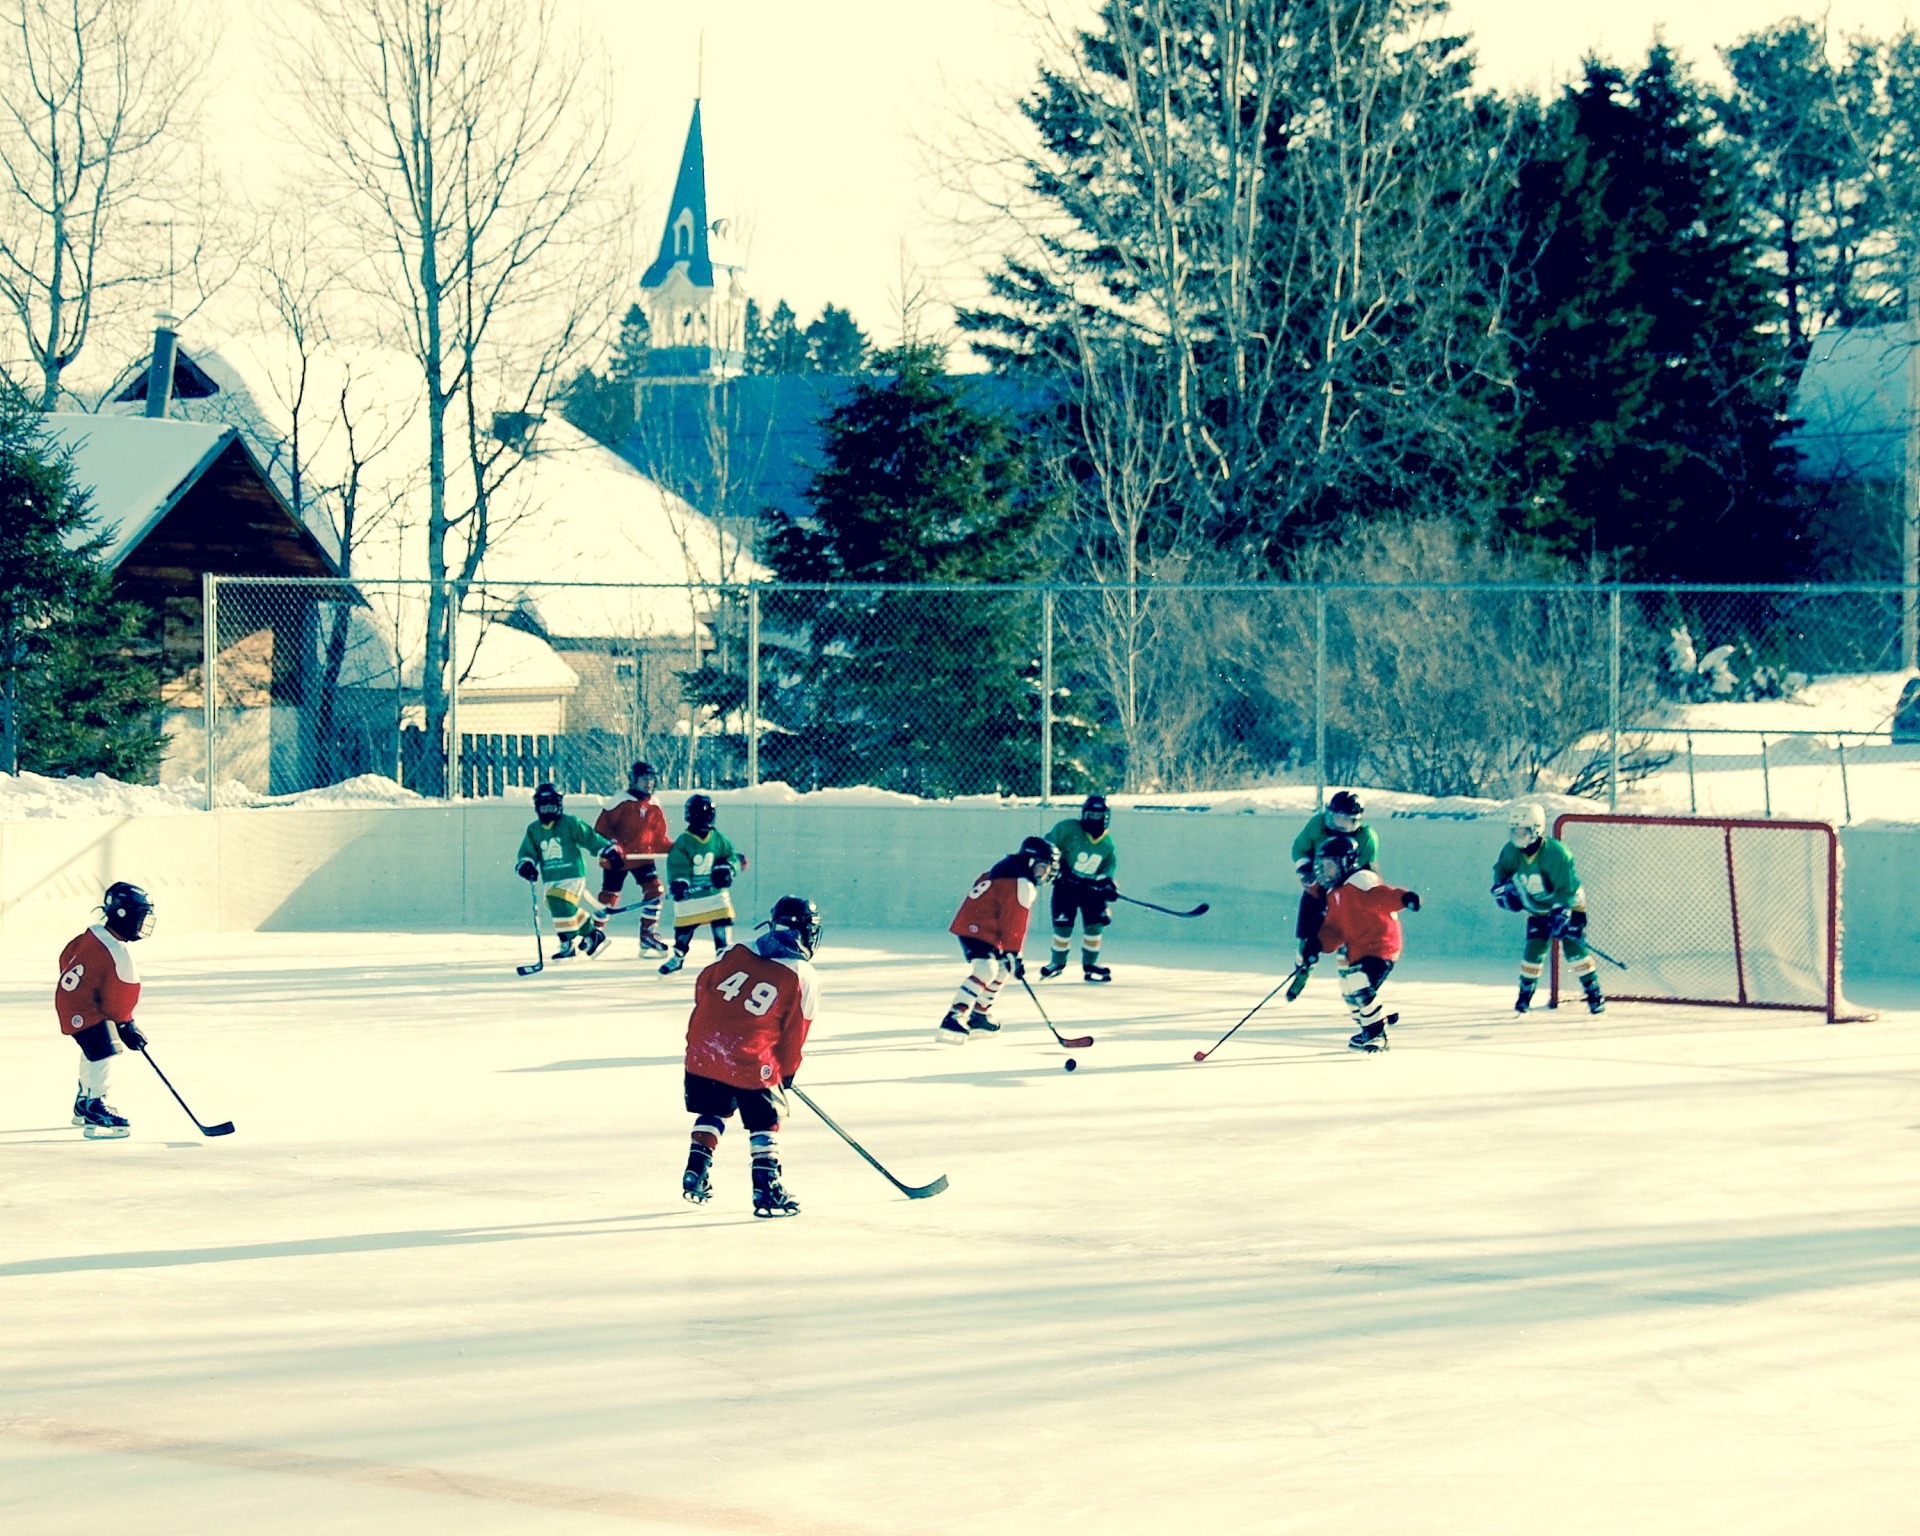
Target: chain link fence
(1757,701)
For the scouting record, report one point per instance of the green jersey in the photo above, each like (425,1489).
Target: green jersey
(560,850)
(1087,858)
(1544,878)
(691,859)
(1316,832)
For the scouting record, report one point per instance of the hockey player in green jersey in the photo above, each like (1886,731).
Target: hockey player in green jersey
(1535,875)
(701,865)
(1345,817)
(554,850)
(1088,862)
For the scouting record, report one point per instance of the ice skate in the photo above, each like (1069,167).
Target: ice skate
(674,962)
(695,1187)
(594,941)
(650,941)
(1372,1037)
(769,1196)
(1053,968)
(80,1106)
(1096,973)
(1525,1000)
(1596,1003)
(980,1022)
(100,1123)
(953,1028)
(566,951)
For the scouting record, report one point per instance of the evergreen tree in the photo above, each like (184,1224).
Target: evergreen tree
(1651,401)
(835,344)
(774,342)
(930,696)
(78,693)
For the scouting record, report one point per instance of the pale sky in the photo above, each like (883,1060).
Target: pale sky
(819,114)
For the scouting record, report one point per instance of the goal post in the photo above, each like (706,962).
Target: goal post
(1717,911)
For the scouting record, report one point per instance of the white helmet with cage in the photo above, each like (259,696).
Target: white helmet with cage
(1526,824)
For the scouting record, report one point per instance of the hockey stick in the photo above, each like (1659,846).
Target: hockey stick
(1594,948)
(1156,907)
(224,1128)
(1298,973)
(1077,1043)
(539,949)
(912,1192)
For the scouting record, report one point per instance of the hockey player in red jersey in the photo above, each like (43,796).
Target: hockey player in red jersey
(639,827)
(98,991)
(992,928)
(752,1009)
(1363,919)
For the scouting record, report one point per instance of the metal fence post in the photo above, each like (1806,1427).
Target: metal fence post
(453,698)
(753,685)
(691,690)
(209,664)
(1320,694)
(1613,704)
(1046,697)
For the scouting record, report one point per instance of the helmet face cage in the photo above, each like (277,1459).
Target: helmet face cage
(1345,812)
(1527,825)
(1044,858)
(640,778)
(1094,815)
(799,917)
(1335,859)
(128,910)
(700,814)
(547,803)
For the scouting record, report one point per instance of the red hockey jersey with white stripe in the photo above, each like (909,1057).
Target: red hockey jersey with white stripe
(98,981)
(751,1014)
(1363,917)
(997,908)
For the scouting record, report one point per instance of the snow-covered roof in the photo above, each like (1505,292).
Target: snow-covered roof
(136,468)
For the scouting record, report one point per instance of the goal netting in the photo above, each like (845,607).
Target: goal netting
(1742,914)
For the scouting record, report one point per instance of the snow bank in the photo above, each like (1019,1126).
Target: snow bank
(33,796)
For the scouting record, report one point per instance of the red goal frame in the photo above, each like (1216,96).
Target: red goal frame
(1728,825)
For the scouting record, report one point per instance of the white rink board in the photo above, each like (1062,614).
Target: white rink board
(1656,1272)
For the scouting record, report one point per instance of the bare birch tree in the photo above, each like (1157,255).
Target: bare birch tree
(96,97)
(467,142)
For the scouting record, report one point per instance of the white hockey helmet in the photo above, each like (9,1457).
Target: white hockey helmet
(1526,824)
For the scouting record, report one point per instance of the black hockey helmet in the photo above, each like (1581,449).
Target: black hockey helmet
(640,778)
(700,814)
(1345,813)
(547,802)
(797,916)
(1043,859)
(1335,859)
(129,911)
(1094,815)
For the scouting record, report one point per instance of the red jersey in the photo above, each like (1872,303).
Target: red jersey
(1362,917)
(997,908)
(98,982)
(751,1014)
(638,826)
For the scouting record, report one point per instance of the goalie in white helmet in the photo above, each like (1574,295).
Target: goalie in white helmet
(1535,875)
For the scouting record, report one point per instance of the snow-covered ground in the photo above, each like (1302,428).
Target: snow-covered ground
(1655,1272)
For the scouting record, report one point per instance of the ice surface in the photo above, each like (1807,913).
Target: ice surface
(1655,1272)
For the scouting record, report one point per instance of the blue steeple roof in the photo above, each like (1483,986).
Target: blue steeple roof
(685,237)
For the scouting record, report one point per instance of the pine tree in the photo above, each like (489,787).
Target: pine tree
(918,484)
(1650,366)
(78,693)
(835,344)
(774,341)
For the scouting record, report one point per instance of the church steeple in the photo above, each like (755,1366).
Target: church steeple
(685,237)
(696,306)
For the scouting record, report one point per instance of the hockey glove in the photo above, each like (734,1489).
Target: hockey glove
(1559,921)
(131,1036)
(613,858)
(1105,889)
(1304,869)
(1412,901)
(678,889)
(1017,966)
(527,870)
(787,1081)
(722,874)
(1507,898)
(1309,951)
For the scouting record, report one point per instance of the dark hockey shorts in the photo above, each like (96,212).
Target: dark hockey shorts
(1076,898)
(96,1042)
(646,875)
(759,1107)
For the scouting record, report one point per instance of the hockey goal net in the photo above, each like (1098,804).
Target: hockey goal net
(1740,914)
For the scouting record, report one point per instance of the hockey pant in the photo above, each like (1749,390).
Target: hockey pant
(1306,926)
(1074,898)
(1362,983)
(99,1044)
(1573,945)
(567,905)
(653,892)
(712,1103)
(989,967)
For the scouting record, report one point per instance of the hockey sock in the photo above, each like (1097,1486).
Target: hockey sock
(707,1131)
(766,1149)
(93,1077)
(650,912)
(682,940)
(1062,942)
(1089,949)
(982,982)
(722,934)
